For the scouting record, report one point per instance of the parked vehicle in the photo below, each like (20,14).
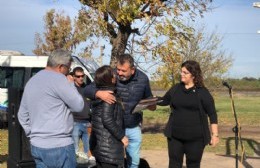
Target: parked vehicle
(15,71)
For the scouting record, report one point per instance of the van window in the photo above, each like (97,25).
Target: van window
(12,77)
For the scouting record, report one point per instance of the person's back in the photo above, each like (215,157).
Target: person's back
(45,113)
(109,148)
(108,137)
(50,118)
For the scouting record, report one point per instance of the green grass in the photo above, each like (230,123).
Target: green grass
(247,110)
(159,116)
(3,148)
(248,113)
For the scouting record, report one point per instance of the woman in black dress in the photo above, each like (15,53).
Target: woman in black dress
(187,130)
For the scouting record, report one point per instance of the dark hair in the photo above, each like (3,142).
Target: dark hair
(71,73)
(103,76)
(121,59)
(194,68)
(77,69)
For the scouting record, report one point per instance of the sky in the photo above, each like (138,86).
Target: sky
(236,20)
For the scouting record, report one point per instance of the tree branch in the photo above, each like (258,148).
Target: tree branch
(91,3)
(110,27)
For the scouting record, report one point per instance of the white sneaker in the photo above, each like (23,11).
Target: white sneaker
(82,158)
(92,158)
(82,155)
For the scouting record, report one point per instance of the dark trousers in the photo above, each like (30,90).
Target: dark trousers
(193,151)
(107,165)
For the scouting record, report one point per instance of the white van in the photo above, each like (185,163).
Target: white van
(15,71)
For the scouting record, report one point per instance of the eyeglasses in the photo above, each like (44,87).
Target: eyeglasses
(79,76)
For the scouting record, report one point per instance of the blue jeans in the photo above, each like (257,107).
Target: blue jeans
(61,157)
(133,149)
(80,132)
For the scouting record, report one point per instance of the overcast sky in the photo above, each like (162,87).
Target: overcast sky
(237,20)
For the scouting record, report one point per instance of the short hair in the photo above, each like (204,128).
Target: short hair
(71,73)
(59,57)
(123,58)
(77,69)
(103,76)
(194,68)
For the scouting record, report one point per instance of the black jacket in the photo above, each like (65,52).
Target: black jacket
(83,116)
(107,132)
(131,92)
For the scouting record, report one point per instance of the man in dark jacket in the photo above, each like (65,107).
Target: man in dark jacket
(132,86)
(82,119)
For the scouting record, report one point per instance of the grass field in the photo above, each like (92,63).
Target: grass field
(246,107)
(248,114)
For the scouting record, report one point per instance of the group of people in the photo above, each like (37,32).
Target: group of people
(54,113)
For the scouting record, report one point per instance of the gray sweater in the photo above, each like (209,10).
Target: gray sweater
(45,109)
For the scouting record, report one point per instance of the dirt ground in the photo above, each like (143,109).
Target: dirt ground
(159,158)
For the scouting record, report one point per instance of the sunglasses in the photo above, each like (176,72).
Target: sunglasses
(79,76)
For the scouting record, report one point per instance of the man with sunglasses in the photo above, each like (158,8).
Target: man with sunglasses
(82,119)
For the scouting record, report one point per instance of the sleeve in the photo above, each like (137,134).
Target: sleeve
(110,122)
(166,99)
(148,91)
(70,95)
(90,91)
(209,106)
(23,116)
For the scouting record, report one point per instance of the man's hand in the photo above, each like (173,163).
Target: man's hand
(214,140)
(106,95)
(70,78)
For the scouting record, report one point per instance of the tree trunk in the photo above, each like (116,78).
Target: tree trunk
(119,43)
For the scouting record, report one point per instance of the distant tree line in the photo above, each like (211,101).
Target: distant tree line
(250,79)
(243,84)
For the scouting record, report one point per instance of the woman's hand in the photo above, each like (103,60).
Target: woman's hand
(214,140)
(124,140)
(214,135)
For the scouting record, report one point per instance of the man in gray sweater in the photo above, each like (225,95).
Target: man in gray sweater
(45,113)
